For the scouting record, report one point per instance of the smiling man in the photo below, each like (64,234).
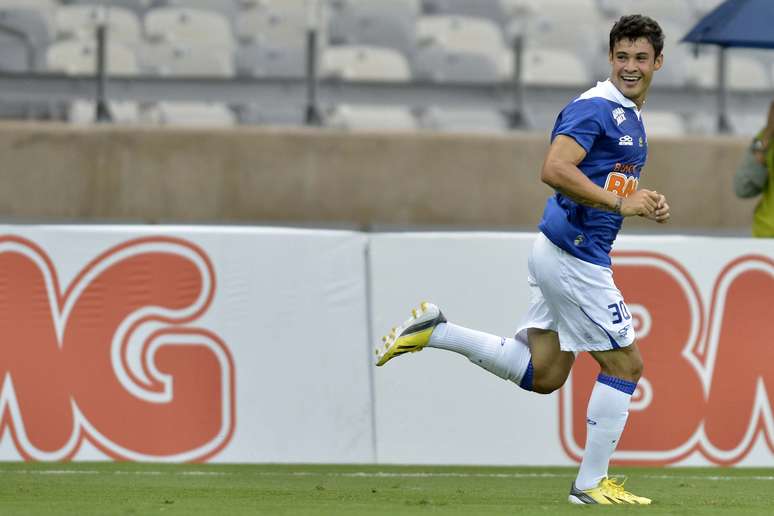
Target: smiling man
(598,148)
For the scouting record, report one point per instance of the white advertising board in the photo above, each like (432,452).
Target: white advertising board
(184,344)
(704,312)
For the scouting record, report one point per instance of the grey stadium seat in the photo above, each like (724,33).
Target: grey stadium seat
(442,64)
(259,60)
(463,120)
(279,23)
(494,10)
(24,30)
(374,22)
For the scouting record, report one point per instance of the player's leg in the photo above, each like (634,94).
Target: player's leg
(606,417)
(551,365)
(508,358)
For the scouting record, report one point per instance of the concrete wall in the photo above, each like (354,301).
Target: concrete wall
(54,172)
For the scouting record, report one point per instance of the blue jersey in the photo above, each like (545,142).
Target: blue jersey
(608,126)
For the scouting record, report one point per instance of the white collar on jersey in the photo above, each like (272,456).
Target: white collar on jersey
(607,90)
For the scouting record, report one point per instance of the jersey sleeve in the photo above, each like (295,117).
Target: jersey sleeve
(581,121)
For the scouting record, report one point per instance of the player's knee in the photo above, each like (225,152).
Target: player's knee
(547,383)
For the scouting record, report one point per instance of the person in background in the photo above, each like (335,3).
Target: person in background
(755,176)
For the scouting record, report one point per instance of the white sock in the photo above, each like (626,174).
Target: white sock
(509,359)
(605,420)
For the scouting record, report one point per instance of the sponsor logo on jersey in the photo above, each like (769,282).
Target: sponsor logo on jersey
(619,115)
(625,140)
(641,143)
(621,184)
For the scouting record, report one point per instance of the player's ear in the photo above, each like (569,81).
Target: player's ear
(659,62)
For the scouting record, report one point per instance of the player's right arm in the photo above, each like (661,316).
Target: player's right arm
(560,171)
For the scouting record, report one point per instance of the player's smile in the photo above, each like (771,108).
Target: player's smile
(633,63)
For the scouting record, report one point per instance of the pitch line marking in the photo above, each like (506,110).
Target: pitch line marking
(377,474)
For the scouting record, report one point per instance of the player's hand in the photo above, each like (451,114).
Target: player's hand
(662,213)
(641,202)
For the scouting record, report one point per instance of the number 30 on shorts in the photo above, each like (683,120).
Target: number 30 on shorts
(620,312)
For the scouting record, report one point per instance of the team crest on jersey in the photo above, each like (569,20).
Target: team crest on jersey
(619,115)
(640,141)
(625,140)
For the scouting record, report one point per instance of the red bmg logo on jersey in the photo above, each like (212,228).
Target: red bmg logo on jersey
(708,382)
(113,359)
(621,181)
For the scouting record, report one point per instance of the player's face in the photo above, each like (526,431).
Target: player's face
(634,62)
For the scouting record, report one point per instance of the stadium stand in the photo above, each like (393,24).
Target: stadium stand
(663,123)
(81,21)
(441,64)
(180,60)
(360,62)
(191,27)
(350,117)
(25,31)
(195,114)
(463,120)
(547,66)
(375,23)
(266,60)
(76,57)
(279,23)
(443,44)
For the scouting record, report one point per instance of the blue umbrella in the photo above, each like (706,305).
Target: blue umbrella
(734,23)
(737,23)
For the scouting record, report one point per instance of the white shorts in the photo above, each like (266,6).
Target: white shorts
(576,299)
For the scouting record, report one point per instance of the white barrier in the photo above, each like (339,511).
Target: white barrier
(279,373)
(234,344)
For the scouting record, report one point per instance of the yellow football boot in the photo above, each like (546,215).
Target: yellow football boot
(412,335)
(608,492)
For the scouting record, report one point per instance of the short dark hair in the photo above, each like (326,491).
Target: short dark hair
(635,26)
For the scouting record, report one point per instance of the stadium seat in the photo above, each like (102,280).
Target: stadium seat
(175,60)
(48,6)
(28,31)
(190,27)
(36,24)
(277,23)
(582,11)
(81,21)
(459,39)
(193,114)
(439,64)
(364,63)
(547,66)
(285,114)
(374,23)
(16,56)
(495,10)
(77,57)
(139,7)
(463,33)
(679,12)
(663,123)
(259,60)
(541,32)
(463,120)
(81,112)
(370,118)
(228,8)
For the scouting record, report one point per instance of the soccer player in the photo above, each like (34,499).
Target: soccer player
(598,148)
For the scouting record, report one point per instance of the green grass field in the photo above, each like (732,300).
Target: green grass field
(128,488)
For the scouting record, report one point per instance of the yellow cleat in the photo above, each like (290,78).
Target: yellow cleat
(412,335)
(608,492)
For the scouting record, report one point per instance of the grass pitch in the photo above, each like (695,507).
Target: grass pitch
(223,490)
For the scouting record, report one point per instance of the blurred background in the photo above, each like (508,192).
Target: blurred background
(347,112)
